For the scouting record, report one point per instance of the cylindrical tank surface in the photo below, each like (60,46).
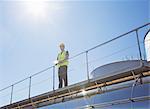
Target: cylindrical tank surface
(147,45)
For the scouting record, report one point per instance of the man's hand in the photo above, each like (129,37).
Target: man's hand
(56,62)
(59,62)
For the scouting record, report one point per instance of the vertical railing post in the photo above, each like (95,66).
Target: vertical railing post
(53,77)
(138,42)
(30,78)
(11,96)
(87,65)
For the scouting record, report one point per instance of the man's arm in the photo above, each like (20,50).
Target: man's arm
(56,62)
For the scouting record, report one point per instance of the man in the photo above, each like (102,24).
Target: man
(62,64)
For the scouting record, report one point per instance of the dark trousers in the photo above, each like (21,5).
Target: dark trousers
(62,75)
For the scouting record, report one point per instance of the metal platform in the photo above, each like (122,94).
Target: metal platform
(74,91)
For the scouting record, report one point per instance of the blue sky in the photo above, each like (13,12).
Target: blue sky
(30,43)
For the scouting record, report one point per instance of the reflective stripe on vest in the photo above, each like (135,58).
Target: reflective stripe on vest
(62,56)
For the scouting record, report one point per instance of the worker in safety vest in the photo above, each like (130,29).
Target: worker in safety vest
(62,64)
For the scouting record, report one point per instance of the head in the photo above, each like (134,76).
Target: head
(62,46)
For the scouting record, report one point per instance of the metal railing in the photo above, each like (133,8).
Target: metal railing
(87,63)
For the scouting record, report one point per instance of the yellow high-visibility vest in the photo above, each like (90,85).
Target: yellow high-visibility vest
(62,56)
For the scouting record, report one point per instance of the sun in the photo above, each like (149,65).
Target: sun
(36,8)
(39,11)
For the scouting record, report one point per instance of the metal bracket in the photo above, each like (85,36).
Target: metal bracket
(131,100)
(99,88)
(32,103)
